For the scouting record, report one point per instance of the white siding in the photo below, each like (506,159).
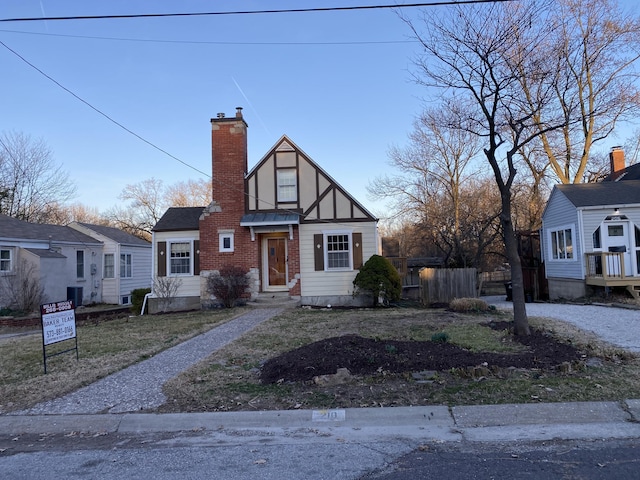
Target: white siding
(140,269)
(561,213)
(190,284)
(323,283)
(110,286)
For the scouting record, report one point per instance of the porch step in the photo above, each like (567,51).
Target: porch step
(634,290)
(273,299)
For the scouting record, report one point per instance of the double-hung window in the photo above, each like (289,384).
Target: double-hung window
(180,258)
(287,185)
(6,260)
(561,243)
(80,264)
(338,251)
(125,265)
(109,266)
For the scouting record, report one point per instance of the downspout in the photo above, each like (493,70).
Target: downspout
(153,259)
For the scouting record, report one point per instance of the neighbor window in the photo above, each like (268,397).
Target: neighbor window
(562,244)
(80,263)
(180,258)
(5,260)
(125,265)
(338,251)
(109,265)
(597,243)
(287,185)
(226,241)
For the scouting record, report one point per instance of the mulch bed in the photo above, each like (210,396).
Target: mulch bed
(365,356)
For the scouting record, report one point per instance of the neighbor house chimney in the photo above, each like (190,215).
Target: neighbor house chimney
(616,158)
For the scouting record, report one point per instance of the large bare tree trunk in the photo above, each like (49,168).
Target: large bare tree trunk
(521,322)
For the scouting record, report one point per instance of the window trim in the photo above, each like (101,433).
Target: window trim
(280,173)
(106,269)
(11,261)
(170,272)
(349,251)
(80,266)
(128,265)
(222,236)
(569,249)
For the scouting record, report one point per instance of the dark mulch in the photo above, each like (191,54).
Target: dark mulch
(363,356)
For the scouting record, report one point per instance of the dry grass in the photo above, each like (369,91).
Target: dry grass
(228,380)
(104,347)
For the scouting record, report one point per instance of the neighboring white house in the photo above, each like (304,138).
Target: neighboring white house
(591,237)
(126,262)
(71,263)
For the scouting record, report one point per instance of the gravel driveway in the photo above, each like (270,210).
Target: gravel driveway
(618,326)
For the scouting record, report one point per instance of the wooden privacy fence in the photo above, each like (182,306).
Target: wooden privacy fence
(441,285)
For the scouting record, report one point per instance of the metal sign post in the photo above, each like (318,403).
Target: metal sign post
(58,325)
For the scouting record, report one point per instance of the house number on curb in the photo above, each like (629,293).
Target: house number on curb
(328,415)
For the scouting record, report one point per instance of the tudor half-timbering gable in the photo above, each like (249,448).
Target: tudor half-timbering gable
(286,180)
(288,192)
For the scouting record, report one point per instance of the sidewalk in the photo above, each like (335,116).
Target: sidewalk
(486,423)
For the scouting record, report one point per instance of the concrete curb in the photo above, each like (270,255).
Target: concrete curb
(485,423)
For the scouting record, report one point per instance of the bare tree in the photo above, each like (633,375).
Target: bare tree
(30,180)
(592,51)
(192,193)
(146,202)
(22,290)
(435,187)
(476,55)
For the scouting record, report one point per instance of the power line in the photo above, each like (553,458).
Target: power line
(139,137)
(253,12)
(207,42)
(100,111)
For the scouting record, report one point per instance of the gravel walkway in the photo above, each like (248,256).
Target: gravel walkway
(618,326)
(139,386)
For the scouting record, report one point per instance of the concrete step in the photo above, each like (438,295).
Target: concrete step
(273,299)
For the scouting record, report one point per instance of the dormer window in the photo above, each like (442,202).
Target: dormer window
(287,185)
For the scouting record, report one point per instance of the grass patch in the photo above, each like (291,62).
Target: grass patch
(104,347)
(221,383)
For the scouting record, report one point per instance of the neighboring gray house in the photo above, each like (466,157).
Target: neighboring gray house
(126,262)
(68,263)
(63,260)
(591,237)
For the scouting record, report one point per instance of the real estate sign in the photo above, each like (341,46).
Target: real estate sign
(58,325)
(58,321)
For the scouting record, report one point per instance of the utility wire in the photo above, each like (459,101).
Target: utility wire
(139,137)
(252,12)
(208,42)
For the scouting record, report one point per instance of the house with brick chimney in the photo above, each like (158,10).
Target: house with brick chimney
(286,222)
(591,234)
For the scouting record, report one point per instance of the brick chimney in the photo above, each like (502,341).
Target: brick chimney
(616,159)
(229,159)
(222,218)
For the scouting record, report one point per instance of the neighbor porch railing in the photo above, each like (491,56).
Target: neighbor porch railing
(605,265)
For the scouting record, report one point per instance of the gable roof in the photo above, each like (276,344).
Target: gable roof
(179,218)
(285,144)
(602,193)
(632,172)
(15,229)
(117,235)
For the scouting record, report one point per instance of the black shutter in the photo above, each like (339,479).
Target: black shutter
(318,252)
(162,259)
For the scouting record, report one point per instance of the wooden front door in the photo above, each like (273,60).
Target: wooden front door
(276,262)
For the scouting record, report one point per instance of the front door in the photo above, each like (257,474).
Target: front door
(275,264)
(616,239)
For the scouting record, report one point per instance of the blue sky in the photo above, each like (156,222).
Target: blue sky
(337,83)
(299,74)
